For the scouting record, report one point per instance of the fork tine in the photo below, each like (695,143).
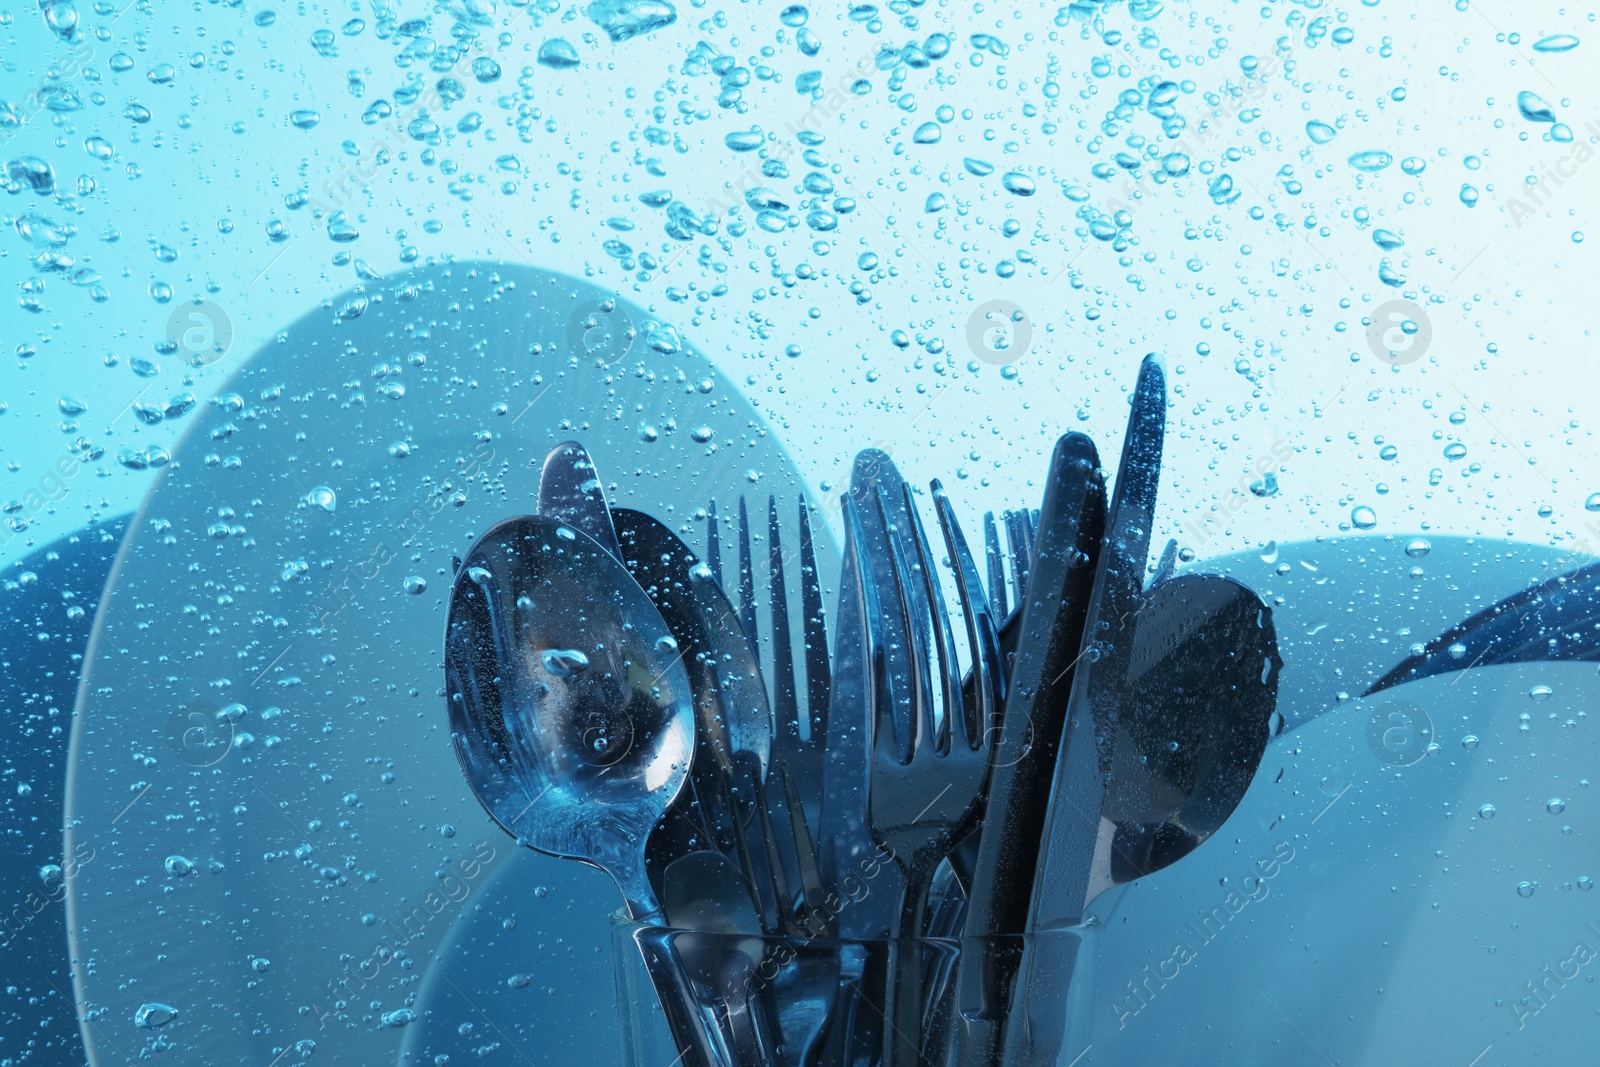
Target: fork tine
(919,727)
(1018,540)
(997,570)
(819,678)
(747,582)
(784,703)
(983,639)
(952,703)
(713,543)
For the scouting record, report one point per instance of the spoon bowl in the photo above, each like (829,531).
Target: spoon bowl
(569,706)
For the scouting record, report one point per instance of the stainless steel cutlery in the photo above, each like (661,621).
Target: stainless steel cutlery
(863,855)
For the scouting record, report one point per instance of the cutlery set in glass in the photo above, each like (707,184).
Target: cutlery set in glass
(882,852)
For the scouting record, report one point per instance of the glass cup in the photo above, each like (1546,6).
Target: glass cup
(760,1001)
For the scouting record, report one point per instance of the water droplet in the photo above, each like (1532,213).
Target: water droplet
(563,662)
(1457,650)
(1541,692)
(1470,742)
(700,573)
(558,54)
(1525,889)
(977,167)
(415,584)
(33,173)
(1556,42)
(666,645)
(153,1015)
(1486,812)
(1363,518)
(1387,240)
(479,575)
(1371,161)
(1018,184)
(1455,450)
(928,133)
(1320,132)
(399,1017)
(520,981)
(1555,806)
(1592,503)
(322,497)
(1585,882)
(744,140)
(1469,194)
(625,19)
(71,407)
(304,118)
(794,16)
(1534,108)
(1418,547)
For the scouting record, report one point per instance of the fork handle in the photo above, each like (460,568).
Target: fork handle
(903,1010)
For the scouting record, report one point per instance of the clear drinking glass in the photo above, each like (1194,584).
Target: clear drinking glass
(818,1002)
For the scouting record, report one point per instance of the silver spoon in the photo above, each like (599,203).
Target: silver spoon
(569,706)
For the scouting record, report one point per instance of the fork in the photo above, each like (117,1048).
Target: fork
(920,804)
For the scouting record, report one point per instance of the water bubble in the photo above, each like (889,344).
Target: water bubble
(154,1015)
(1371,161)
(744,140)
(33,173)
(304,118)
(1457,650)
(1418,547)
(1486,812)
(1018,184)
(1320,132)
(558,54)
(977,168)
(1525,889)
(564,662)
(1534,108)
(701,573)
(1469,194)
(1556,42)
(399,1017)
(1585,883)
(1592,503)
(1387,240)
(1555,805)
(666,645)
(626,19)
(1363,518)
(323,497)
(928,133)
(1541,692)
(520,981)
(415,584)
